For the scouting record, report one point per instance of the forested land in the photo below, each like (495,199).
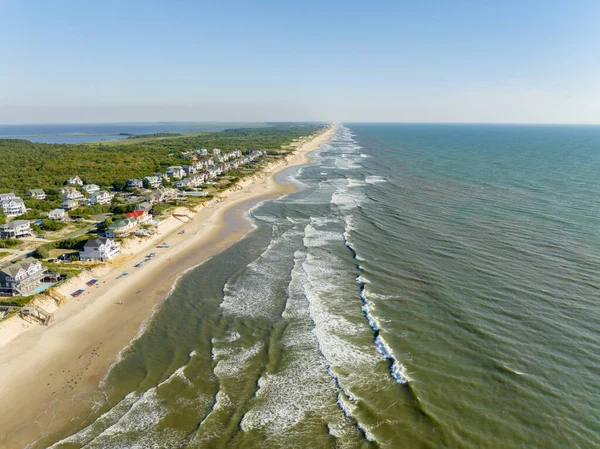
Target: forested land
(26,165)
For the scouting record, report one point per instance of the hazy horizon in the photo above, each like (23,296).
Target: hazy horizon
(397,62)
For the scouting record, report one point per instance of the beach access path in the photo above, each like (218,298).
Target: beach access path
(50,375)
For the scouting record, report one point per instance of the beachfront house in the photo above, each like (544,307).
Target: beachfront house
(141,215)
(57,214)
(91,188)
(70,193)
(101,197)
(99,250)
(216,152)
(38,194)
(69,205)
(23,277)
(153,181)
(176,172)
(121,228)
(15,229)
(75,181)
(13,206)
(135,184)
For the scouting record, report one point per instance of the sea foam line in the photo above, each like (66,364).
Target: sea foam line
(397,370)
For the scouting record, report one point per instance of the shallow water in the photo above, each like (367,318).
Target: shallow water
(431,286)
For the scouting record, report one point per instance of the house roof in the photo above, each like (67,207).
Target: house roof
(36,191)
(135,214)
(13,269)
(14,224)
(95,243)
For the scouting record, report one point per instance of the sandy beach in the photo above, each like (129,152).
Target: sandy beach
(50,375)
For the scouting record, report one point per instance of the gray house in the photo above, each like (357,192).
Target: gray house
(37,193)
(23,277)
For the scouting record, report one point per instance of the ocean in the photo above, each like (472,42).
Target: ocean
(428,286)
(99,132)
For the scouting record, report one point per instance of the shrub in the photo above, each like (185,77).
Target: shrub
(9,243)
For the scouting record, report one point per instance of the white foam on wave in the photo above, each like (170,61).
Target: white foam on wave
(375,179)
(253,293)
(299,388)
(230,361)
(398,371)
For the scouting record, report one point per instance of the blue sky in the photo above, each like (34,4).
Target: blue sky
(448,61)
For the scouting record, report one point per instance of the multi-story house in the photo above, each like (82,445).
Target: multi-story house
(122,228)
(153,181)
(57,214)
(91,188)
(176,172)
(15,229)
(99,250)
(37,194)
(13,206)
(101,197)
(70,193)
(69,205)
(23,277)
(135,184)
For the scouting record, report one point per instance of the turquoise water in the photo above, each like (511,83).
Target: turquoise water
(42,287)
(430,286)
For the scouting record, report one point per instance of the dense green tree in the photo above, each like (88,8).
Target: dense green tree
(27,165)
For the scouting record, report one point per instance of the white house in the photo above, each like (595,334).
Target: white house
(153,181)
(70,193)
(37,193)
(69,205)
(216,152)
(13,206)
(101,197)
(91,188)
(14,229)
(176,172)
(75,181)
(57,214)
(99,250)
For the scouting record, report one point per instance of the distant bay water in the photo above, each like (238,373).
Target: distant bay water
(430,286)
(78,133)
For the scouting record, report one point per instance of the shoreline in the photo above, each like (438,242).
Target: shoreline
(50,375)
